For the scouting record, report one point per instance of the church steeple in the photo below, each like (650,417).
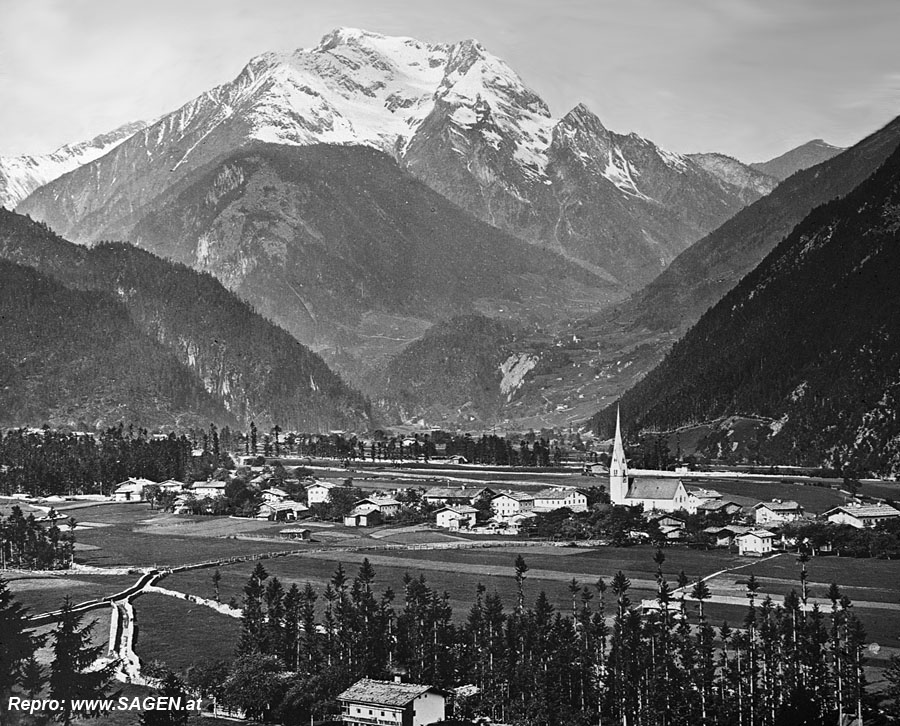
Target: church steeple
(618,467)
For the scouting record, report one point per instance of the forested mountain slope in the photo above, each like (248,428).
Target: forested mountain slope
(76,358)
(252,368)
(809,339)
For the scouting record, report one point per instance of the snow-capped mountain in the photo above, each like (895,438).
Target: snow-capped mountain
(21,175)
(454,115)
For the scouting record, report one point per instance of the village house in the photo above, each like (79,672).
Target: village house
(448,495)
(724,536)
(777,512)
(274,494)
(698,496)
(387,506)
(211,489)
(132,490)
(461,516)
(507,504)
(719,506)
(171,485)
(547,500)
(755,543)
(389,703)
(319,492)
(862,515)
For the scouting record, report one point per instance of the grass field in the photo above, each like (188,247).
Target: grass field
(133,534)
(42,594)
(179,633)
(459,571)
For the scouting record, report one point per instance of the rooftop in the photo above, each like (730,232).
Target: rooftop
(864,511)
(383,693)
(653,488)
(776,505)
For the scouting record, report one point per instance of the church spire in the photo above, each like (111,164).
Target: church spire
(618,467)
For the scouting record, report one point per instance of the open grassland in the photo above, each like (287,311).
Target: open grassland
(180,634)
(134,535)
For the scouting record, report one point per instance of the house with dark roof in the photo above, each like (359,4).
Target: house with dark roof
(755,543)
(388,703)
(862,515)
(718,506)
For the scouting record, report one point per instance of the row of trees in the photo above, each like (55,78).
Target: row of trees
(602,661)
(26,544)
(47,462)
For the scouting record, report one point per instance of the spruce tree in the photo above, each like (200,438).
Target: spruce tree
(17,645)
(71,673)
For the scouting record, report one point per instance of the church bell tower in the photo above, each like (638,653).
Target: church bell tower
(618,468)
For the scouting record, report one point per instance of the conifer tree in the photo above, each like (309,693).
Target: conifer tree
(71,674)
(17,645)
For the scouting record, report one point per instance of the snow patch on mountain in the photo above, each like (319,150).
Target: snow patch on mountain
(21,175)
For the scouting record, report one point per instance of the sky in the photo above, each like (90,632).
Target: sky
(750,78)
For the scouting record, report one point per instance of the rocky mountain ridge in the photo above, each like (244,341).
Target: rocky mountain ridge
(456,117)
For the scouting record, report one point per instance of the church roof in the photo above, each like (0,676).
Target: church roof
(653,488)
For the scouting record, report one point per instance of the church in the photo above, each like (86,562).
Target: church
(665,494)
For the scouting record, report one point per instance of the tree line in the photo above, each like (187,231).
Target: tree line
(26,544)
(45,462)
(603,660)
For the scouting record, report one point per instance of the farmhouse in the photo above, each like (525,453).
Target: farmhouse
(131,490)
(777,512)
(363,515)
(547,500)
(387,506)
(755,543)
(666,494)
(388,703)
(508,504)
(862,516)
(281,511)
(456,517)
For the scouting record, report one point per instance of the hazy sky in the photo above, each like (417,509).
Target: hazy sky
(751,78)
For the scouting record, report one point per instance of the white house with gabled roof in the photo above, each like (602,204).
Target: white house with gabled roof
(862,515)
(507,504)
(389,703)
